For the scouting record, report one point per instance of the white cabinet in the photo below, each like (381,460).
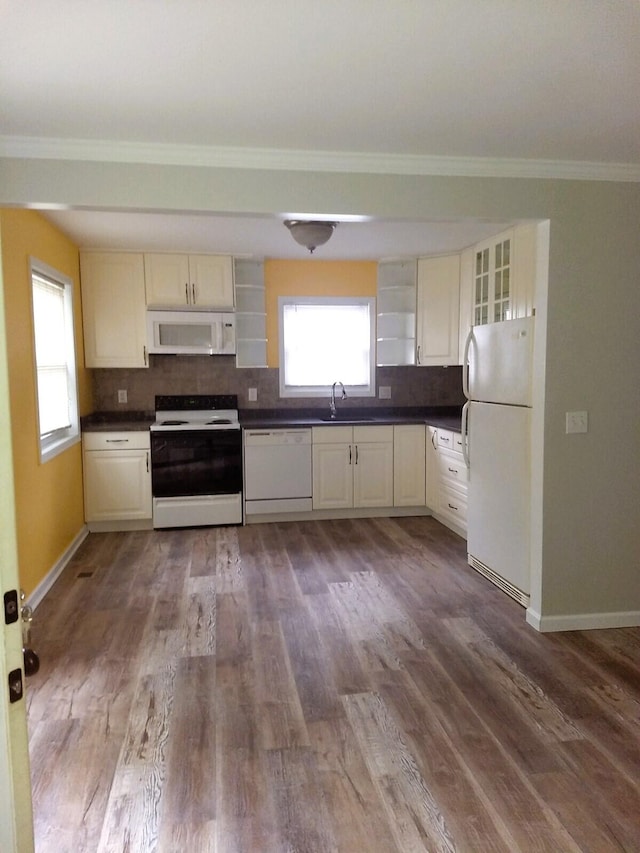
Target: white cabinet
(251,317)
(409,472)
(193,281)
(396,313)
(438,311)
(432,472)
(525,268)
(352,467)
(502,281)
(492,286)
(117,477)
(113,309)
(452,480)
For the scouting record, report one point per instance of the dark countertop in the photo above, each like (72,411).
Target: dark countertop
(117,421)
(447,417)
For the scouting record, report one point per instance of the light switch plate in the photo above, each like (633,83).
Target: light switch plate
(384,392)
(122,396)
(576,422)
(252,395)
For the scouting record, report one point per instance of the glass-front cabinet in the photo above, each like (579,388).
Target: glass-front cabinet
(492,280)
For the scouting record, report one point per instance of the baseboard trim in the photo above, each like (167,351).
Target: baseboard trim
(583,621)
(332,514)
(56,570)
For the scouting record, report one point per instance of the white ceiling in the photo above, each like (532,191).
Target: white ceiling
(533,80)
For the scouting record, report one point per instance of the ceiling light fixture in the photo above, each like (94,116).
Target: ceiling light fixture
(310,233)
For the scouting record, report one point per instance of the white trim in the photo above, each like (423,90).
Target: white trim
(52,445)
(103,151)
(583,621)
(56,570)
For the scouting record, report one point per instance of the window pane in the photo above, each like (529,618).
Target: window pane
(54,352)
(324,342)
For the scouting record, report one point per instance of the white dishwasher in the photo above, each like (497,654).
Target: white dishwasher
(277,471)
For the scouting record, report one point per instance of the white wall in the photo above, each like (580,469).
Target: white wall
(587,487)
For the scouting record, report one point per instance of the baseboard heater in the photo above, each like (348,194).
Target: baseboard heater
(496,579)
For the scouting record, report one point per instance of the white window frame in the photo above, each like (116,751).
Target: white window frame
(366,390)
(54,443)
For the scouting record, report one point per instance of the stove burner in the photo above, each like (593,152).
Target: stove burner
(218,421)
(173,423)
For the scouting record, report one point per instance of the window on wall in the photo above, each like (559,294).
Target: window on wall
(54,347)
(325,340)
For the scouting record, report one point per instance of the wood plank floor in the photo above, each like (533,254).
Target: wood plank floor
(321,686)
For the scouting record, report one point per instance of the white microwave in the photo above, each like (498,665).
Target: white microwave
(191,333)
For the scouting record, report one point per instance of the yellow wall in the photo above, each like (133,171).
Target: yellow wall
(312,278)
(49,503)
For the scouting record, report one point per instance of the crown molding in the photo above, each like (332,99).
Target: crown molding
(49,148)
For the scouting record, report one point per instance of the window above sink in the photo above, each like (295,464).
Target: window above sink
(324,340)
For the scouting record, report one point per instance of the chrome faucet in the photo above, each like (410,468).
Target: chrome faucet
(332,404)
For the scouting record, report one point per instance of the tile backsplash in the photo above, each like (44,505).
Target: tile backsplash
(410,386)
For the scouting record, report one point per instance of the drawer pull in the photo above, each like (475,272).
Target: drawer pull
(451,506)
(453,470)
(117,440)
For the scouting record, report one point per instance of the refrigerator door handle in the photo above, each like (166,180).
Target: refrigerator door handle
(465,364)
(465,434)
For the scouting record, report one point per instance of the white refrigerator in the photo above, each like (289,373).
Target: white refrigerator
(496,441)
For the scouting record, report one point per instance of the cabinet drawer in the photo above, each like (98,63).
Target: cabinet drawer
(452,469)
(331,435)
(365,434)
(136,440)
(444,438)
(453,505)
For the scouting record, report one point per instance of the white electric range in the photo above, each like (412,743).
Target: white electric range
(196,461)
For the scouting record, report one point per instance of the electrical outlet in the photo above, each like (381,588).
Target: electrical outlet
(384,392)
(576,422)
(252,395)
(122,396)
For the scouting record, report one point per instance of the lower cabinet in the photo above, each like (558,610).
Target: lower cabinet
(409,473)
(432,473)
(352,467)
(117,477)
(450,479)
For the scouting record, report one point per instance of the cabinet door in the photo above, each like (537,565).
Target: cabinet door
(438,314)
(117,485)
(492,295)
(525,251)
(409,472)
(373,474)
(113,309)
(332,476)
(211,281)
(432,469)
(167,280)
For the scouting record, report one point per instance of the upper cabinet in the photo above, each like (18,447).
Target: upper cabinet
(503,276)
(438,311)
(251,317)
(189,281)
(396,312)
(113,309)
(492,292)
